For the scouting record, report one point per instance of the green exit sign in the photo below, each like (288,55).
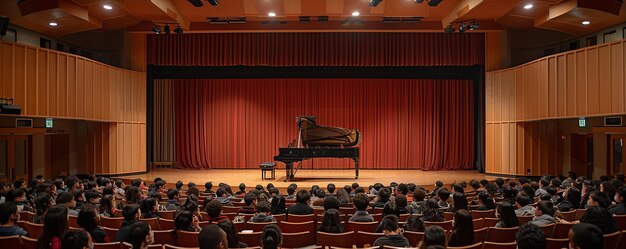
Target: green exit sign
(49,123)
(582,122)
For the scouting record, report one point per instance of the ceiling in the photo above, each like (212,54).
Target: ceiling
(73,16)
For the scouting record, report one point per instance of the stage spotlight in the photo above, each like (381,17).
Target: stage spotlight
(213,2)
(196,3)
(156,29)
(449,29)
(374,3)
(178,30)
(434,2)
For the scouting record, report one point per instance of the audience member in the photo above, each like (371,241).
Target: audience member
(263,214)
(43,202)
(459,201)
(361,202)
(343,196)
(186,221)
(150,208)
(231,234)
(393,233)
(508,218)
(598,198)
(331,202)
(417,205)
(140,235)
(8,220)
(524,206)
(250,200)
(131,214)
(433,236)
(530,236)
(173,196)
(463,232)
(620,207)
(54,228)
(77,239)
(331,223)
(486,202)
(571,200)
(585,236)
(88,219)
(278,205)
(214,211)
(67,199)
(443,196)
(271,238)
(600,217)
(383,197)
(302,204)
(544,214)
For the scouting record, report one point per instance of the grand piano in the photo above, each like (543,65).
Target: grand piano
(316,141)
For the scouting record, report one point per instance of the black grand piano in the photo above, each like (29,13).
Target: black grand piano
(319,142)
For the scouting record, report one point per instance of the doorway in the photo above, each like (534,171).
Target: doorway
(616,150)
(582,154)
(15,153)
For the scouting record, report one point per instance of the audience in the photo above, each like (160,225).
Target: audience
(150,208)
(600,217)
(544,214)
(231,234)
(250,199)
(530,236)
(393,235)
(214,211)
(433,236)
(508,218)
(140,235)
(271,238)
(263,214)
(620,207)
(486,202)
(459,202)
(585,236)
(463,232)
(131,214)
(524,206)
(212,237)
(302,204)
(67,199)
(8,220)
(417,205)
(186,221)
(331,223)
(383,197)
(361,202)
(88,219)
(278,205)
(78,239)
(54,228)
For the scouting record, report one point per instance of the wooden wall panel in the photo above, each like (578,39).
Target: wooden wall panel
(584,83)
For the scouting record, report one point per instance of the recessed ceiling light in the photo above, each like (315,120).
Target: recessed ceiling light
(107,7)
(356,13)
(271,14)
(586,22)
(53,24)
(528,6)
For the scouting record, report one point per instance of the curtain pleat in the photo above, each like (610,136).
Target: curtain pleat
(164,149)
(405,123)
(317,49)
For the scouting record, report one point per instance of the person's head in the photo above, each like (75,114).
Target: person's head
(303,197)
(419,195)
(509,193)
(149,205)
(43,202)
(231,233)
(620,194)
(443,194)
(184,221)
(390,207)
(263,207)
(607,188)
(131,212)
(242,187)
(331,188)
(250,198)
(600,217)
(585,236)
(597,198)
(20,183)
(8,213)
(522,200)
(77,239)
(384,194)
(140,235)
(544,207)
(278,203)
(360,201)
(214,208)
(573,196)
(16,195)
(389,225)
(212,237)
(457,188)
(530,236)
(331,202)
(291,190)
(320,193)
(173,194)
(331,221)
(55,222)
(67,199)
(88,218)
(272,237)
(401,201)
(208,186)
(463,227)
(433,235)
(507,215)
(460,201)
(500,182)
(133,195)
(486,200)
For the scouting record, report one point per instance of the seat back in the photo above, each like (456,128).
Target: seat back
(610,240)
(501,235)
(153,222)
(552,243)
(369,227)
(12,242)
(111,232)
(26,216)
(490,222)
(580,213)
(366,238)
(109,245)
(258,226)
(335,239)
(547,230)
(251,239)
(112,222)
(620,222)
(448,215)
(483,214)
(165,237)
(28,243)
(167,214)
(178,247)
(496,245)
(446,225)
(187,239)
(478,245)
(300,218)
(166,224)
(561,230)
(569,215)
(480,234)
(478,223)
(280,217)
(297,240)
(34,230)
(414,237)
(524,219)
(227,209)
(297,227)
(72,221)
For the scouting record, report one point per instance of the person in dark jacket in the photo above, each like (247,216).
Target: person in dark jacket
(250,199)
(360,202)
(393,235)
(620,207)
(8,220)
(302,204)
(88,220)
(383,197)
(172,200)
(263,209)
(131,213)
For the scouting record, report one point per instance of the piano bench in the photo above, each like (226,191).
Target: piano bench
(268,166)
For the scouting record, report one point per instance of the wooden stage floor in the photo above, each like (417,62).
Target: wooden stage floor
(307,178)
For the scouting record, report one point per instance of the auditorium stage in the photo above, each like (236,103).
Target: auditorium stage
(309,177)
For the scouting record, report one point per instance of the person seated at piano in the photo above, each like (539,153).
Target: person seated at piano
(302,204)
(319,201)
(361,202)
(291,190)
(263,214)
(221,196)
(250,208)
(383,197)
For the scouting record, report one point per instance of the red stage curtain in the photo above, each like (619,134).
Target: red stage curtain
(317,49)
(406,123)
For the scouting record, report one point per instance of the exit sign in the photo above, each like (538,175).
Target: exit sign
(582,122)
(49,123)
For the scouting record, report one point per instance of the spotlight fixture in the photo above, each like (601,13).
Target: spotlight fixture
(374,3)
(156,29)
(196,3)
(586,22)
(528,6)
(356,13)
(434,3)
(213,2)
(107,7)
(463,26)
(178,30)
(53,24)
(271,14)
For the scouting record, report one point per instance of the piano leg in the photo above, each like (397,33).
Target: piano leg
(356,167)
(289,171)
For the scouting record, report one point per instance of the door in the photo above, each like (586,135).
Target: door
(582,154)
(616,150)
(14,157)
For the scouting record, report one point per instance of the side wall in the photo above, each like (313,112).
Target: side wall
(47,83)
